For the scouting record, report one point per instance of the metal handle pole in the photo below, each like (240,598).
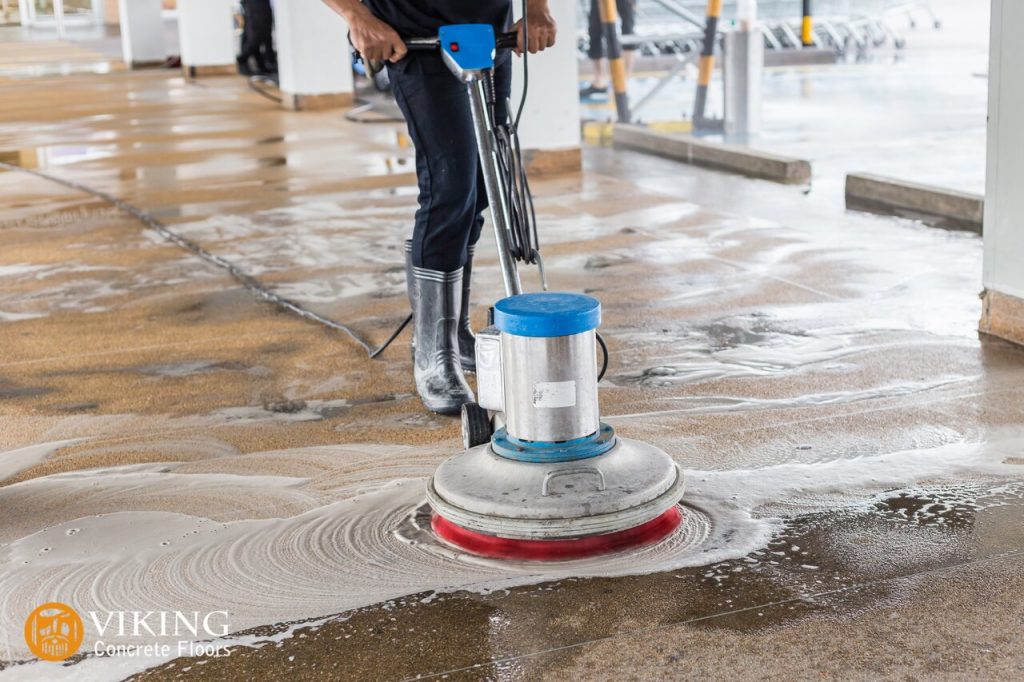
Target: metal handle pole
(493,181)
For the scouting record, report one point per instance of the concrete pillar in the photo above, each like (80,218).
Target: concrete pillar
(207,33)
(26,12)
(550,127)
(1003,304)
(6,10)
(142,32)
(313,55)
(111,12)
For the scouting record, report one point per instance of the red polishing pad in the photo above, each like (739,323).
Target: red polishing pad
(557,550)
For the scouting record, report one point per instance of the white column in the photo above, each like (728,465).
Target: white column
(313,55)
(26,12)
(550,127)
(207,34)
(1003,313)
(142,32)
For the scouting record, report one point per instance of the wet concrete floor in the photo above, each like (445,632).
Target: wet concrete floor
(857,448)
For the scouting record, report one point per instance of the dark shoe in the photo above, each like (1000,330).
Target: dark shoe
(594,92)
(264,69)
(467,342)
(243,67)
(436,303)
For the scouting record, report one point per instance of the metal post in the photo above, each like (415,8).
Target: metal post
(807,26)
(610,26)
(707,60)
(742,67)
(493,181)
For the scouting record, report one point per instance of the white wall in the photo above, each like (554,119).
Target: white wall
(206,31)
(551,119)
(142,31)
(313,53)
(1004,182)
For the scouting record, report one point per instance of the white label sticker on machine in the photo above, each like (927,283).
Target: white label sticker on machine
(551,394)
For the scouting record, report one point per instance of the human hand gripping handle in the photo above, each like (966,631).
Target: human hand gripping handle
(374,39)
(541,30)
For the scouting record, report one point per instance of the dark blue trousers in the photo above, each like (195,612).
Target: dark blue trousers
(452,196)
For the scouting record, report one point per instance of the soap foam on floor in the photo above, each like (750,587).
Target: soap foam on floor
(364,545)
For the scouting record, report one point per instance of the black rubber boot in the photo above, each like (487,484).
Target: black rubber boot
(467,342)
(436,302)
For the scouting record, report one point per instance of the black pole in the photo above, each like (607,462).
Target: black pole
(807,26)
(707,60)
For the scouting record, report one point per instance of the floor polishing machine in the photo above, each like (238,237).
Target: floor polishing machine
(542,477)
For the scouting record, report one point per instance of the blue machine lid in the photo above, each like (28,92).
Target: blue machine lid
(470,46)
(546,314)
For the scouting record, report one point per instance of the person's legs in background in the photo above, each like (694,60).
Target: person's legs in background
(267,57)
(598,85)
(259,22)
(249,46)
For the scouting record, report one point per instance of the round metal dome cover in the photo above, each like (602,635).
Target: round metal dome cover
(629,485)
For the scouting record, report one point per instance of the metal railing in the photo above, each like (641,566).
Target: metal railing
(848,27)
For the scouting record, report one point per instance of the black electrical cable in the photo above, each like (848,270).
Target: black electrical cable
(604,350)
(526,65)
(394,335)
(524,241)
(523,238)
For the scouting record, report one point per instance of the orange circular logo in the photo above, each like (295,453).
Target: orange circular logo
(54,631)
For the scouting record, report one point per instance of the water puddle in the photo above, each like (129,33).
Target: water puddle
(55,155)
(762,344)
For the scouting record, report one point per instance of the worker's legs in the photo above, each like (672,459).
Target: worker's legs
(452,195)
(448,221)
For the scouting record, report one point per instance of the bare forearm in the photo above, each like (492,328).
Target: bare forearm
(375,40)
(348,9)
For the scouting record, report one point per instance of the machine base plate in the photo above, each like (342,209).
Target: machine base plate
(557,549)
